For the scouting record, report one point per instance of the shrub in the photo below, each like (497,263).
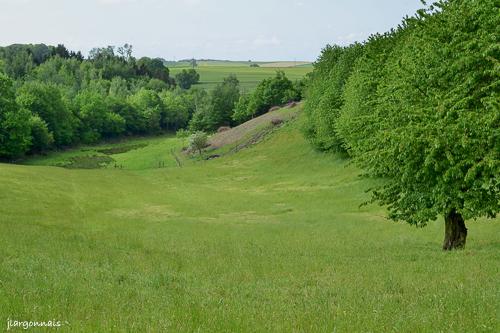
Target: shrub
(198,141)
(182,133)
(187,78)
(41,137)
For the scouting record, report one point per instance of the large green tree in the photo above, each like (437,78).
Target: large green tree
(18,60)
(433,128)
(110,64)
(150,107)
(270,92)
(357,120)
(41,138)
(15,132)
(186,78)
(62,72)
(176,113)
(45,100)
(154,68)
(222,100)
(96,119)
(325,95)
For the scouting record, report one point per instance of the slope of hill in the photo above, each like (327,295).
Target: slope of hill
(256,127)
(269,239)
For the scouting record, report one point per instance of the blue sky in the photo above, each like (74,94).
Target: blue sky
(216,29)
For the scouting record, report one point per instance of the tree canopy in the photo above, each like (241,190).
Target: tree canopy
(420,107)
(55,98)
(270,92)
(187,77)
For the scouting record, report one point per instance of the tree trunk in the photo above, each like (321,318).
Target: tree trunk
(455,233)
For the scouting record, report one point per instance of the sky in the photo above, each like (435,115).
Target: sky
(258,30)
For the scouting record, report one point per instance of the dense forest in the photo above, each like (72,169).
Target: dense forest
(52,98)
(419,106)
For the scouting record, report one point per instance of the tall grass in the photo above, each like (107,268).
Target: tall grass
(270,239)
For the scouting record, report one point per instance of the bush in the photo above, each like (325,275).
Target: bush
(240,113)
(198,141)
(182,133)
(157,85)
(187,78)
(41,137)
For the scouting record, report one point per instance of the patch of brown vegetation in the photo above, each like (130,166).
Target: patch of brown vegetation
(248,131)
(276,121)
(223,129)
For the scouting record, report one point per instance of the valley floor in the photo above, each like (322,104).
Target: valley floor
(271,238)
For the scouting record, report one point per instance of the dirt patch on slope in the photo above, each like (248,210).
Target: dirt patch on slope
(253,129)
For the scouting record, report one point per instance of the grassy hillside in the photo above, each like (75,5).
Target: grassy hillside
(249,76)
(271,238)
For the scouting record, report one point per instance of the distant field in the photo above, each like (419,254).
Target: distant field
(284,64)
(249,76)
(228,63)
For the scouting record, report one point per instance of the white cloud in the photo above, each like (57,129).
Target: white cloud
(275,29)
(15,2)
(266,41)
(191,2)
(115,2)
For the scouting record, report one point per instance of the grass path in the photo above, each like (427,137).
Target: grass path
(269,239)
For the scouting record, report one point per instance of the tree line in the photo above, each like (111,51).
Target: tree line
(52,98)
(419,106)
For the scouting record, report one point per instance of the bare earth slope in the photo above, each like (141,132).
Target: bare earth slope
(252,127)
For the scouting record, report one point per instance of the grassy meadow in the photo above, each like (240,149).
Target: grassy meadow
(271,238)
(249,77)
(231,63)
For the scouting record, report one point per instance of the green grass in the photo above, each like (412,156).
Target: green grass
(130,154)
(269,239)
(248,76)
(230,63)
